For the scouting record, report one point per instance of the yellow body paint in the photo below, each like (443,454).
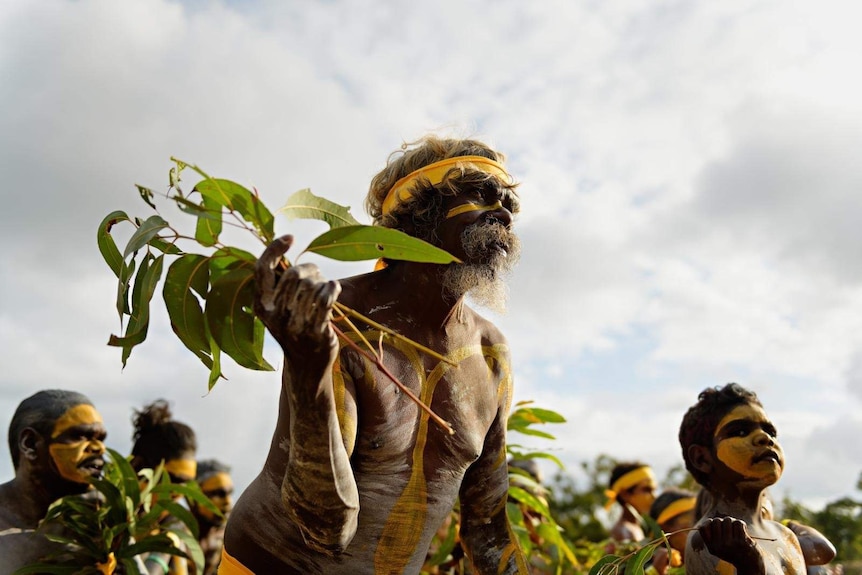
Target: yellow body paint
(737,452)
(68,456)
(406,521)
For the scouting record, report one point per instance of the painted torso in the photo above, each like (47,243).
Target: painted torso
(408,469)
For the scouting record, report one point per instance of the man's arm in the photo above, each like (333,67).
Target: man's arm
(318,490)
(486,534)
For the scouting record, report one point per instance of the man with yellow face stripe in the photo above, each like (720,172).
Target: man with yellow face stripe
(56,442)
(216,483)
(359,478)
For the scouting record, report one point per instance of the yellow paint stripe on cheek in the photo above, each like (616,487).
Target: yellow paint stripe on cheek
(78,415)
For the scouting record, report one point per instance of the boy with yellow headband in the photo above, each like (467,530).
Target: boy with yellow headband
(56,442)
(632,485)
(359,478)
(673,511)
(731,448)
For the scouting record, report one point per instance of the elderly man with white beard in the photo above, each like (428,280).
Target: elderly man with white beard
(359,478)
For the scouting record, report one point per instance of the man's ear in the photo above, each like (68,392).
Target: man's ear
(30,442)
(701,458)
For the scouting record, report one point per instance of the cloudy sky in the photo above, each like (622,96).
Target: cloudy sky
(691,196)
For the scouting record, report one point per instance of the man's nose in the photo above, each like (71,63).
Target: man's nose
(501,214)
(95,446)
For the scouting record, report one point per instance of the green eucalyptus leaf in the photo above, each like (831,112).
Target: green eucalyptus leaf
(193,548)
(147,195)
(606,565)
(534,432)
(139,320)
(159,543)
(107,245)
(239,199)
(635,564)
(209,223)
(227,259)
(305,205)
(128,476)
(232,324)
(188,275)
(179,512)
(357,243)
(126,274)
(530,500)
(147,231)
(215,370)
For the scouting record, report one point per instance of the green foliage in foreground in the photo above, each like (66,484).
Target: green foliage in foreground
(123,516)
(209,287)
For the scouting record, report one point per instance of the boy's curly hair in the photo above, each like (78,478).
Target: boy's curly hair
(701,419)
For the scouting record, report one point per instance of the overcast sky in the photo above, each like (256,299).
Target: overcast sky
(691,196)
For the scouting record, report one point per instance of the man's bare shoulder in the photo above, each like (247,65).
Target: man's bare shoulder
(8,503)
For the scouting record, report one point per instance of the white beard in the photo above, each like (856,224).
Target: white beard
(482,276)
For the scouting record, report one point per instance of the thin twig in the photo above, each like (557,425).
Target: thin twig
(347,311)
(437,419)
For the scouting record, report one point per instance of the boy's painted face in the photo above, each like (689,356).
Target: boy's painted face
(641,496)
(76,446)
(746,441)
(219,488)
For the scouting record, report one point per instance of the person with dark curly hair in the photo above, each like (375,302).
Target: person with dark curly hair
(56,439)
(158,438)
(359,477)
(632,484)
(730,446)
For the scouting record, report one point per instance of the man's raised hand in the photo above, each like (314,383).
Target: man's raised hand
(295,304)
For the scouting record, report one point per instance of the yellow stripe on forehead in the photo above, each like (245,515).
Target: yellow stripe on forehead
(434,173)
(82,414)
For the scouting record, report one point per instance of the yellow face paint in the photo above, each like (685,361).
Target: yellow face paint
(642,496)
(68,455)
(742,450)
(471,207)
(219,488)
(182,470)
(79,415)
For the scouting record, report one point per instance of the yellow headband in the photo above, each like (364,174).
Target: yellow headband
(678,507)
(435,173)
(182,467)
(629,479)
